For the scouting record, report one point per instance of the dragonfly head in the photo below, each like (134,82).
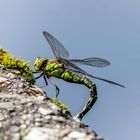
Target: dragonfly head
(40,63)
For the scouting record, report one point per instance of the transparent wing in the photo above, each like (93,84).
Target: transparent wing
(58,49)
(72,66)
(105,80)
(93,61)
(75,68)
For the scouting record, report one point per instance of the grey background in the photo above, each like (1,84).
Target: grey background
(104,28)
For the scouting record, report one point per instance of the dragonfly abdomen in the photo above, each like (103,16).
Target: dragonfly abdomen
(73,77)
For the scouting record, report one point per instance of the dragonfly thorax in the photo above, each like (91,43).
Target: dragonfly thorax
(40,63)
(51,67)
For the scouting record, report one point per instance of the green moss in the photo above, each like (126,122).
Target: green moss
(62,106)
(17,65)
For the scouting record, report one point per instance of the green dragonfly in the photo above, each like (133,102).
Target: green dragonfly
(64,68)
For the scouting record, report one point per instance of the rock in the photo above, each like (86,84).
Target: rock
(3,80)
(26,113)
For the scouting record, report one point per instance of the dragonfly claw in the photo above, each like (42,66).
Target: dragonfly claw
(57,91)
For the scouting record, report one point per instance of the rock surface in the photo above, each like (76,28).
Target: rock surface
(26,113)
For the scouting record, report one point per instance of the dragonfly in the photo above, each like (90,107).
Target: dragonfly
(63,67)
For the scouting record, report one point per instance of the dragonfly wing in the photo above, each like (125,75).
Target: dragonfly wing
(76,69)
(72,66)
(58,49)
(105,80)
(102,79)
(93,61)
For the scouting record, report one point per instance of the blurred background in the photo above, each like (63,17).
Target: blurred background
(94,28)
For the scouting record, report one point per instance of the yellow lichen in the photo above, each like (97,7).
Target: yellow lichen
(17,65)
(60,105)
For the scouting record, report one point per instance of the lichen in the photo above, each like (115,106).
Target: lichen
(17,65)
(60,105)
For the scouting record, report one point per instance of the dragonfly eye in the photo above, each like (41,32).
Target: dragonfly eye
(40,63)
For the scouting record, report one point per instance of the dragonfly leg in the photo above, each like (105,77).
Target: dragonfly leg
(39,76)
(45,79)
(56,87)
(27,79)
(35,72)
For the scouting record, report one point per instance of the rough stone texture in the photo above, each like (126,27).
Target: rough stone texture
(26,113)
